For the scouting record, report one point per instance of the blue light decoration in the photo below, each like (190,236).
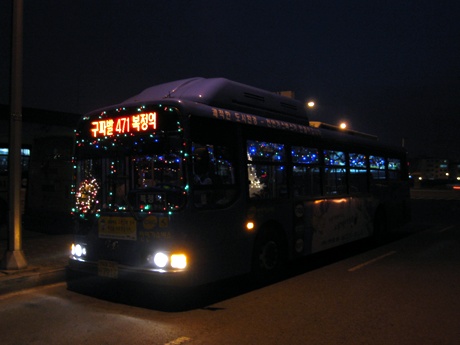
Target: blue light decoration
(304,155)
(265,151)
(358,160)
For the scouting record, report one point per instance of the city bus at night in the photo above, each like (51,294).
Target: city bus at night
(198,180)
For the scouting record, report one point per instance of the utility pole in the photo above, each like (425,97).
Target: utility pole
(14,258)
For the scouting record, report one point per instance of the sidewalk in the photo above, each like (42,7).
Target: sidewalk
(46,257)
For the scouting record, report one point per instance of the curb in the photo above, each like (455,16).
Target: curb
(30,278)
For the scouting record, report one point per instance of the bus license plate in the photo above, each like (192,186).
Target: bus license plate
(107,269)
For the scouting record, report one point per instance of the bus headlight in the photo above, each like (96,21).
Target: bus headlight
(163,260)
(160,259)
(78,250)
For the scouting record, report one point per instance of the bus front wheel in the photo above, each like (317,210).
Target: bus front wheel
(269,255)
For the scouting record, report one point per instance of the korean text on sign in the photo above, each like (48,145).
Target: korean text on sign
(121,125)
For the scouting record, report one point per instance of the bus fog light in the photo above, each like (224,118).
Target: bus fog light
(178,261)
(160,259)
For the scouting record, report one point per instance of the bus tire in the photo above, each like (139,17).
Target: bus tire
(270,254)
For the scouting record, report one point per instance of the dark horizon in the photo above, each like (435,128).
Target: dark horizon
(392,70)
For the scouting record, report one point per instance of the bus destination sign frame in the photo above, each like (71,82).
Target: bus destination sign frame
(129,124)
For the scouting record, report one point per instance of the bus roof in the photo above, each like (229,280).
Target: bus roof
(227,94)
(238,98)
(328,126)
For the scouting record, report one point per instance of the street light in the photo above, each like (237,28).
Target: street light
(343,125)
(310,104)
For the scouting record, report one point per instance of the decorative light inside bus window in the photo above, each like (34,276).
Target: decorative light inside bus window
(136,123)
(358,160)
(265,151)
(304,155)
(377,162)
(394,164)
(336,158)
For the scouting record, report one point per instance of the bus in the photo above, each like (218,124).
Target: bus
(199,180)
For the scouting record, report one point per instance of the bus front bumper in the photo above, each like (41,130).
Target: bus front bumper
(113,272)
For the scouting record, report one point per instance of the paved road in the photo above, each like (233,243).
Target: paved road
(435,194)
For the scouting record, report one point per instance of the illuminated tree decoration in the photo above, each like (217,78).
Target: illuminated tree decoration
(255,185)
(86,195)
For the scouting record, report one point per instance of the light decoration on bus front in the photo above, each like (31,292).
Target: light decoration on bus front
(124,125)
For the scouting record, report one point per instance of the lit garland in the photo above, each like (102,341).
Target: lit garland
(86,195)
(255,186)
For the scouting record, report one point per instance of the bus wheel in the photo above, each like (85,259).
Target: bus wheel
(269,255)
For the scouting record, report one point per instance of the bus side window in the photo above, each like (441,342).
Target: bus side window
(335,182)
(358,182)
(305,172)
(377,166)
(266,170)
(394,169)
(203,172)
(213,175)
(214,163)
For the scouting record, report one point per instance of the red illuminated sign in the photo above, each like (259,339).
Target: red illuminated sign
(123,125)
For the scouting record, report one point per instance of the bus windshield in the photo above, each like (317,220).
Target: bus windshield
(142,172)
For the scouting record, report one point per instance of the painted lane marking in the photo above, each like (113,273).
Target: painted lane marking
(371,261)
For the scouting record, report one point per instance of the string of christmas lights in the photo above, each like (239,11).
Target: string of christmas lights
(86,195)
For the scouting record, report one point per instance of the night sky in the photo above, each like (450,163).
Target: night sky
(389,68)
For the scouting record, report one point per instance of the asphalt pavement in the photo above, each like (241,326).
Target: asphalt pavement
(46,256)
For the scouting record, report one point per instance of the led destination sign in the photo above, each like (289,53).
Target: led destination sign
(124,125)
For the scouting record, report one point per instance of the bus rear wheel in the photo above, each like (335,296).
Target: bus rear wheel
(269,255)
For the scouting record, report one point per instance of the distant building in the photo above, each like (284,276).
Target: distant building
(47,169)
(38,123)
(433,168)
(454,171)
(429,171)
